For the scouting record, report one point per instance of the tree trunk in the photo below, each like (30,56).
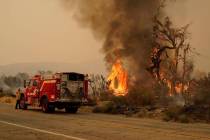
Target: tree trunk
(175,69)
(184,75)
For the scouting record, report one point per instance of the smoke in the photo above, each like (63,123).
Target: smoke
(125,26)
(4,86)
(9,84)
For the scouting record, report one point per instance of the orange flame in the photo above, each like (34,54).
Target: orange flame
(169,87)
(178,87)
(118,79)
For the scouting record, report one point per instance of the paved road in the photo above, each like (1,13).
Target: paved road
(35,125)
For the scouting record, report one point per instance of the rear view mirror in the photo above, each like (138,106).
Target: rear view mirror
(63,84)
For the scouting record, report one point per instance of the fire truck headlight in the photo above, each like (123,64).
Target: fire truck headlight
(52,96)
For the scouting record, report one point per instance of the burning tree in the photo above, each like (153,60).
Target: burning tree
(171,47)
(126,28)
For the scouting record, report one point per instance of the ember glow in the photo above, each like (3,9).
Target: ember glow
(118,79)
(169,87)
(178,88)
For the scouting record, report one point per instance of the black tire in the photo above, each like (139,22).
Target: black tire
(22,104)
(25,107)
(71,109)
(51,108)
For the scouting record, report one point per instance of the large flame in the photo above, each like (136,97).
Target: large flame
(118,79)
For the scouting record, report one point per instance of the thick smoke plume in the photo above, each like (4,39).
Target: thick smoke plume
(125,26)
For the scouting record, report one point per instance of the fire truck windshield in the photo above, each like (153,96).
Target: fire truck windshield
(75,77)
(33,83)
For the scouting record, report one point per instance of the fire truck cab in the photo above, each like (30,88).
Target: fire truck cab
(61,90)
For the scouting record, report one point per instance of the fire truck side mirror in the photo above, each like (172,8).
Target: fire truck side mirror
(24,84)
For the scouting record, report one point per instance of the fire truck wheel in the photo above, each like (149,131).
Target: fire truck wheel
(71,109)
(22,104)
(51,108)
(25,107)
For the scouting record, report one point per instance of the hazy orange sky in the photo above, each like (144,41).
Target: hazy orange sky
(44,31)
(195,12)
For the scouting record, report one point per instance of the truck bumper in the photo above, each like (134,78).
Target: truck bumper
(62,103)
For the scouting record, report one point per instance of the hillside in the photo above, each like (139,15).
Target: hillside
(31,68)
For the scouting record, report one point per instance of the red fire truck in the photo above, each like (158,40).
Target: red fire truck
(61,90)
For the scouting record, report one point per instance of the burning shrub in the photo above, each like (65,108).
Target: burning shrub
(197,108)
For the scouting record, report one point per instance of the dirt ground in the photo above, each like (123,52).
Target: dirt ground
(34,124)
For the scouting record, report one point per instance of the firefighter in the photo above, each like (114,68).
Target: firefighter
(18,93)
